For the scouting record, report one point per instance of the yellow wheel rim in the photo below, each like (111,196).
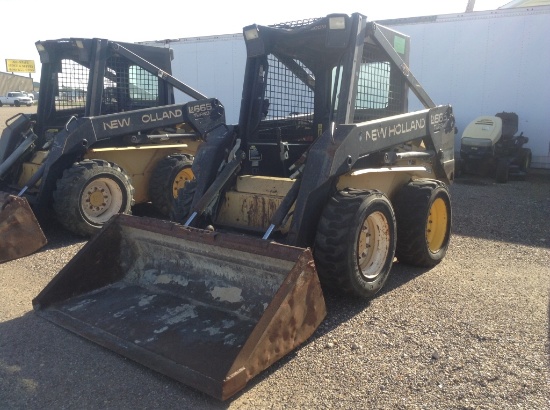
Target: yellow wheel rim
(181,178)
(101,199)
(373,245)
(436,227)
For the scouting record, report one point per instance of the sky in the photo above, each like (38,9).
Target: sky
(26,22)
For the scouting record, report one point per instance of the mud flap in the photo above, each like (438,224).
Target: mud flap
(20,232)
(208,309)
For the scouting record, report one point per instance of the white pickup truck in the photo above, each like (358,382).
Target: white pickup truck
(16,98)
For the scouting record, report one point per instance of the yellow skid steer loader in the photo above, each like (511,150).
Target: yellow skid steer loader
(106,135)
(326,179)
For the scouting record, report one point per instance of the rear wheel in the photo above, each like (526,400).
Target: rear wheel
(89,194)
(423,214)
(502,171)
(169,176)
(355,241)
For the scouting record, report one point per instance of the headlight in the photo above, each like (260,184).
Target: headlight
(337,23)
(476,142)
(251,34)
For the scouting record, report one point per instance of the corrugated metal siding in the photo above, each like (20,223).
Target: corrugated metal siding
(11,82)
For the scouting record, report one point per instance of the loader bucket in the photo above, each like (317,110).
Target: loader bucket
(20,233)
(209,309)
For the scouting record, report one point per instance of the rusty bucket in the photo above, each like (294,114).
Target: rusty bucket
(20,232)
(209,309)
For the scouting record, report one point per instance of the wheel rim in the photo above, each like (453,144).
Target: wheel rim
(101,199)
(373,245)
(436,227)
(181,178)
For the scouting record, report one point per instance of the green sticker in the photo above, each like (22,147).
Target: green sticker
(399,44)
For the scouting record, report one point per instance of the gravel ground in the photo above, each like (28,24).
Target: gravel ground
(471,333)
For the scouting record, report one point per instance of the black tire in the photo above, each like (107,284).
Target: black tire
(355,242)
(459,168)
(89,183)
(424,220)
(502,171)
(526,157)
(170,175)
(17,103)
(182,204)
(1,103)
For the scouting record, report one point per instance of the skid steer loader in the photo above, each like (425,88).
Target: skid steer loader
(106,135)
(326,176)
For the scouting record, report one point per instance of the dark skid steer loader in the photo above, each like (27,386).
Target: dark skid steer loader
(106,135)
(326,176)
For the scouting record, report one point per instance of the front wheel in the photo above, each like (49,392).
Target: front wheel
(423,214)
(524,164)
(526,157)
(182,204)
(89,194)
(355,242)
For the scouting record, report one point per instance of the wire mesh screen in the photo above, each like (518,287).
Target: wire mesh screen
(373,86)
(124,86)
(72,84)
(288,94)
(296,23)
(128,86)
(380,90)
